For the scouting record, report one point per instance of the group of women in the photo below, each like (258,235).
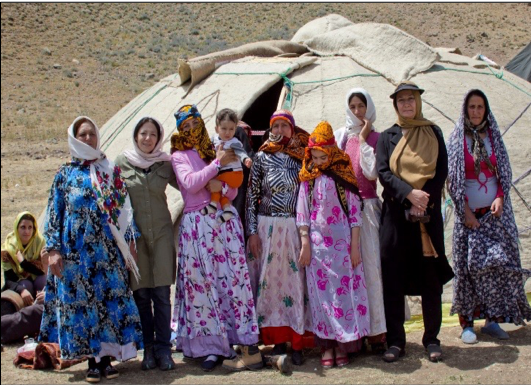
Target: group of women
(325,262)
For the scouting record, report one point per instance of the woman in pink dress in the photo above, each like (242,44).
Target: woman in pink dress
(329,219)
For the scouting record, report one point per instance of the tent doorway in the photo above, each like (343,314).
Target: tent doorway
(258,114)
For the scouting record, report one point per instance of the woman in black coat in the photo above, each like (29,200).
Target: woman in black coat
(412,167)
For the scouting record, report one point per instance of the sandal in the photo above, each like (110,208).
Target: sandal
(393,353)
(434,352)
(327,363)
(342,361)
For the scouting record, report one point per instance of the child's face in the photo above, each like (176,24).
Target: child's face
(319,157)
(226,129)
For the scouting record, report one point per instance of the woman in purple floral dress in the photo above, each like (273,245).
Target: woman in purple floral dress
(329,220)
(214,306)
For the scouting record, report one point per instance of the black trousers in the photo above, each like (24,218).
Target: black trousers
(154,307)
(430,290)
(27,321)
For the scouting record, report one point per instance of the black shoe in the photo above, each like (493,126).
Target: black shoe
(209,365)
(110,372)
(297,358)
(93,375)
(166,363)
(148,362)
(279,349)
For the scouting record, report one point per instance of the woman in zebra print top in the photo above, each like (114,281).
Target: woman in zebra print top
(278,282)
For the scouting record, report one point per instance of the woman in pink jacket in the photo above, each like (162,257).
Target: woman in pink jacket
(214,306)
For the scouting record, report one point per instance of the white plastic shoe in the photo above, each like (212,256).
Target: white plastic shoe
(468,336)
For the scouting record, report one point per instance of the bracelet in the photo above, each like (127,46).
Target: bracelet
(303,233)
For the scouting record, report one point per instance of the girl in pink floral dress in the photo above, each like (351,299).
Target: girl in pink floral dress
(329,221)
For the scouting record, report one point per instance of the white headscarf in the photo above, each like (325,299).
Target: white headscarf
(102,165)
(353,124)
(143,160)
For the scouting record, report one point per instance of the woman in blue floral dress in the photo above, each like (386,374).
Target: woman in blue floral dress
(89,308)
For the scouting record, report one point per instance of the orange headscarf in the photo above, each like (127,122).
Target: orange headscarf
(338,165)
(293,146)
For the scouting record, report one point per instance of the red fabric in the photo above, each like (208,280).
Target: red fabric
(281,334)
(47,355)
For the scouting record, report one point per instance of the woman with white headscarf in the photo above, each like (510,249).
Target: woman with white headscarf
(89,308)
(147,170)
(358,139)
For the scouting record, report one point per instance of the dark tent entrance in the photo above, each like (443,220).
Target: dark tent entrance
(520,65)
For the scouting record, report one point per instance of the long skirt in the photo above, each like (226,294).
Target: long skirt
(214,306)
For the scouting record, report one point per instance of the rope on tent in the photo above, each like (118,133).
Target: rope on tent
(522,176)
(521,197)
(519,116)
(106,145)
(435,108)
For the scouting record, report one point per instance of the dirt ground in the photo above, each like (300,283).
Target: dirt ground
(488,362)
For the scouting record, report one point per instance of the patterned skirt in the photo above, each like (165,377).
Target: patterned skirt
(214,306)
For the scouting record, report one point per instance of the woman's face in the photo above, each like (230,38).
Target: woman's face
(25,231)
(147,137)
(319,157)
(476,109)
(358,108)
(86,133)
(281,127)
(226,129)
(189,124)
(405,102)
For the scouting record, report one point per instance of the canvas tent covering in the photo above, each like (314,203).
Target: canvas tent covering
(311,74)
(520,65)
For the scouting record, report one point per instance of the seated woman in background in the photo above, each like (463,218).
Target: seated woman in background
(21,258)
(489,279)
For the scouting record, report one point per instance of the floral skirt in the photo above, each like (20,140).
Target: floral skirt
(214,306)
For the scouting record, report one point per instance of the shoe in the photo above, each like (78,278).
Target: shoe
(279,349)
(93,375)
(434,352)
(342,361)
(209,365)
(494,330)
(211,208)
(148,362)
(250,358)
(468,336)
(280,363)
(166,363)
(110,372)
(297,358)
(393,353)
(225,216)
(327,363)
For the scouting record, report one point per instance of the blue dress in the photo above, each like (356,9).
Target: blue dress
(90,311)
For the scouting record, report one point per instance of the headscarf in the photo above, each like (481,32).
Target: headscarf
(414,158)
(195,138)
(31,251)
(479,152)
(294,146)
(143,160)
(109,189)
(353,125)
(339,166)
(456,160)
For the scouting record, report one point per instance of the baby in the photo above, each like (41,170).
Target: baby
(232,173)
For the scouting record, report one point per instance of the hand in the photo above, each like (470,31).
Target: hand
(470,219)
(248,162)
(56,263)
(255,244)
(225,156)
(305,255)
(45,259)
(416,211)
(27,297)
(214,185)
(497,207)
(39,298)
(419,199)
(132,250)
(355,255)
(366,130)
(20,256)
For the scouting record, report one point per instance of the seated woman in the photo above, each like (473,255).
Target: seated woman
(489,279)
(21,258)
